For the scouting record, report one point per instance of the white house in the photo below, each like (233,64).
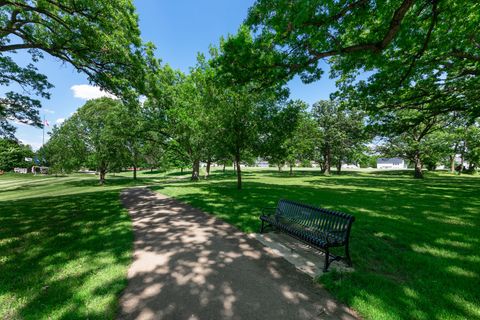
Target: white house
(261,163)
(391,163)
(349,166)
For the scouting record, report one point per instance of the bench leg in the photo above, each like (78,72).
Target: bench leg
(327,260)
(347,255)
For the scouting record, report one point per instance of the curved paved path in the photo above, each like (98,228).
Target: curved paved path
(190,265)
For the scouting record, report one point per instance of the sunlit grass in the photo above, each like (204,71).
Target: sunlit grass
(65,246)
(414,243)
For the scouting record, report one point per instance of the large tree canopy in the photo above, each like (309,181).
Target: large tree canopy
(431,46)
(98,37)
(93,138)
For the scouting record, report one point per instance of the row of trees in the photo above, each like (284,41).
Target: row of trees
(198,126)
(420,97)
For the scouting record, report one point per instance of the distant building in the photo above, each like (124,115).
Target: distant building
(261,163)
(391,163)
(349,166)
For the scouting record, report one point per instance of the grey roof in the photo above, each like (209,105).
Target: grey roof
(389,160)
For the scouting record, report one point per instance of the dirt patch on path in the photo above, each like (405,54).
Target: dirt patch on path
(190,265)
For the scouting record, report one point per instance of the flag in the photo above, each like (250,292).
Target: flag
(45,122)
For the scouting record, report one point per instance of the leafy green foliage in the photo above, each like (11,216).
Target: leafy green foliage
(341,134)
(13,154)
(99,38)
(417,54)
(91,138)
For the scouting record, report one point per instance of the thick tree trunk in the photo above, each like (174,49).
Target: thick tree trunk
(181,170)
(291,169)
(134,173)
(322,166)
(224,167)
(280,168)
(339,167)
(239,171)
(452,163)
(418,166)
(209,163)
(195,170)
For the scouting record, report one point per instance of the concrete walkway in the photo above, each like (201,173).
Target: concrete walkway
(190,265)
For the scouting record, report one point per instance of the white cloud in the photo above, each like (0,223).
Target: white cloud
(48,111)
(60,120)
(87,92)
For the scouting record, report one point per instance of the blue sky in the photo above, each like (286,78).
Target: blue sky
(179,29)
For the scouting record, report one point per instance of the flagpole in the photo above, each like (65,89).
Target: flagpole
(43,134)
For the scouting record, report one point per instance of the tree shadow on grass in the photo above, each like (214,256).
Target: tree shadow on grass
(64,256)
(413,243)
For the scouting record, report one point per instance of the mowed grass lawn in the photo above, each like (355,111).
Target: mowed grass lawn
(66,243)
(414,244)
(65,246)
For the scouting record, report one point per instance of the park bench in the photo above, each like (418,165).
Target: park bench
(320,228)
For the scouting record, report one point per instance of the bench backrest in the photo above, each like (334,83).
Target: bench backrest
(311,217)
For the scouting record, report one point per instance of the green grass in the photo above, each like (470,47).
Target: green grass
(65,243)
(65,246)
(415,243)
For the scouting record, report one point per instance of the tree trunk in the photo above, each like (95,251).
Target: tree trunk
(462,157)
(328,162)
(209,163)
(461,164)
(280,168)
(418,166)
(291,169)
(224,167)
(321,164)
(239,171)
(134,173)
(151,169)
(181,170)
(102,176)
(339,167)
(452,163)
(195,170)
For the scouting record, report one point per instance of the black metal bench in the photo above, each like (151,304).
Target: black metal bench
(318,227)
